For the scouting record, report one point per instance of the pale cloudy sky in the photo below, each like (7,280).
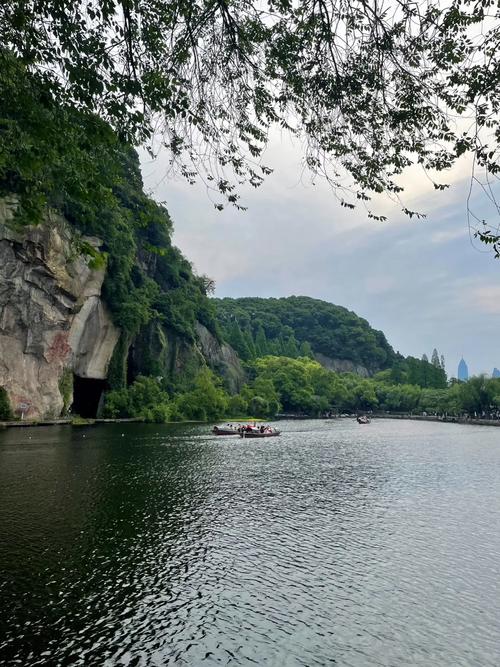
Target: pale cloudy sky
(424,283)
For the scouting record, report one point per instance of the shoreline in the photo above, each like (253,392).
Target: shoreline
(26,423)
(441,420)
(91,422)
(427,418)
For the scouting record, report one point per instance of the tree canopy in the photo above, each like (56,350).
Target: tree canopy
(371,87)
(299,326)
(303,386)
(296,326)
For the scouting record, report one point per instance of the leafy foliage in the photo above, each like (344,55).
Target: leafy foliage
(371,90)
(207,400)
(414,371)
(479,394)
(299,386)
(297,326)
(303,386)
(144,399)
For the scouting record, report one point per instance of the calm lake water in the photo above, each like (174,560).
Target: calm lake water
(336,544)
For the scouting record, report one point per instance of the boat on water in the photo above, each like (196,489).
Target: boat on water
(246,430)
(363,419)
(258,433)
(225,430)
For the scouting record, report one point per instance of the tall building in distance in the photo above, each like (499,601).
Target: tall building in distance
(463,371)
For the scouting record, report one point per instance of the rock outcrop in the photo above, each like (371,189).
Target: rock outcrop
(52,317)
(160,352)
(341,365)
(92,339)
(222,359)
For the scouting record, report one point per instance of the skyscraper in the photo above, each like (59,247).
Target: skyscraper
(463,371)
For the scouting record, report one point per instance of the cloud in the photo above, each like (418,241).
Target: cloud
(444,236)
(484,299)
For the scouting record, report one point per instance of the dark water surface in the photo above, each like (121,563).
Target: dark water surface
(336,544)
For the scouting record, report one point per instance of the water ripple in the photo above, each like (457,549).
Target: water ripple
(332,545)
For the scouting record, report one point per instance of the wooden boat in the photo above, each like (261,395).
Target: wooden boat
(224,430)
(259,434)
(363,420)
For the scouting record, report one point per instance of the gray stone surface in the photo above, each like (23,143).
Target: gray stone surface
(222,358)
(341,365)
(51,315)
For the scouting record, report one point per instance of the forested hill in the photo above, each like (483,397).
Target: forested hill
(113,298)
(296,325)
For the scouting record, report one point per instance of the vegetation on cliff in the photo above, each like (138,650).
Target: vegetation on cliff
(5,409)
(74,163)
(70,161)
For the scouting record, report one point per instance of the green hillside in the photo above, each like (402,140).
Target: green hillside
(299,326)
(295,325)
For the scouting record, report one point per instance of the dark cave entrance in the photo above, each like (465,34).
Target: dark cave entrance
(87,394)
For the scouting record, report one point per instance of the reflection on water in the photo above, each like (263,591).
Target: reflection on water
(333,545)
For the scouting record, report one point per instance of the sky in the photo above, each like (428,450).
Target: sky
(425,283)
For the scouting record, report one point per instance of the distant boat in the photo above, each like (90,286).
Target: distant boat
(257,433)
(225,430)
(363,419)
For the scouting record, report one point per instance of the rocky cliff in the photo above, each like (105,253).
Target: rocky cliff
(222,358)
(56,331)
(159,352)
(53,321)
(341,365)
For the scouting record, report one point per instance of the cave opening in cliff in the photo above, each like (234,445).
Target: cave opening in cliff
(87,394)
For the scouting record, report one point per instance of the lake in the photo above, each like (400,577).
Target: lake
(335,544)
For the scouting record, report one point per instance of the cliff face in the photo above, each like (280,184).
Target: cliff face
(63,293)
(222,358)
(158,351)
(52,318)
(341,365)
(55,325)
